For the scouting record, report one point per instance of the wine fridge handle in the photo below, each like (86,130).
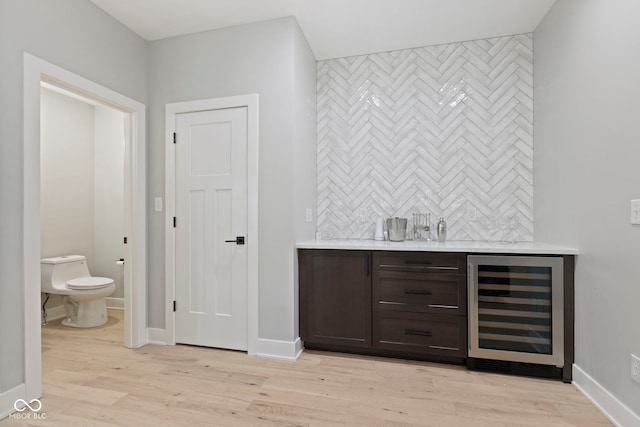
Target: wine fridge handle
(472,309)
(473,285)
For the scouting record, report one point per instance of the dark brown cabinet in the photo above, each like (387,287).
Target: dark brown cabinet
(401,304)
(393,303)
(420,303)
(335,297)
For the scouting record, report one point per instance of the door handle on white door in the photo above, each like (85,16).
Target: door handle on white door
(239,240)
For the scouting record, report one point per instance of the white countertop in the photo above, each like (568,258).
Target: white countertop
(452,246)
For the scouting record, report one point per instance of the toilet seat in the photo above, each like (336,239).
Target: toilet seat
(89,282)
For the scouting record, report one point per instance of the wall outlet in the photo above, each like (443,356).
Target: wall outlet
(309,215)
(635,368)
(635,212)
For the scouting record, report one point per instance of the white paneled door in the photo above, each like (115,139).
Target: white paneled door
(211,224)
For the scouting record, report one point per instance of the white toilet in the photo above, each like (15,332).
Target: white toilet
(85,296)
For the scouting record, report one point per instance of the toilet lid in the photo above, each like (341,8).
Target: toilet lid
(89,283)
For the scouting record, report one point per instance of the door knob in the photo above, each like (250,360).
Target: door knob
(238,240)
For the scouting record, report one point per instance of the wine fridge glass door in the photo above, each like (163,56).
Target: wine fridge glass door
(515,308)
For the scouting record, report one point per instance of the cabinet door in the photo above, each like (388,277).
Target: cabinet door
(335,297)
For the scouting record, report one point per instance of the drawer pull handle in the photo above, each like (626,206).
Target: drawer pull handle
(412,262)
(419,333)
(438,347)
(418,264)
(416,292)
(367,266)
(442,306)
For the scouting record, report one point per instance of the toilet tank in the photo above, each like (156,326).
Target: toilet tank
(57,271)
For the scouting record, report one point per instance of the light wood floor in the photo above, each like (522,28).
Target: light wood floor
(90,379)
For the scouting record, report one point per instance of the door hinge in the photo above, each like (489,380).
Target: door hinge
(125,240)
(174,305)
(174,222)
(174,137)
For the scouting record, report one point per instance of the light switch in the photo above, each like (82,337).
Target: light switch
(635,211)
(158,204)
(309,215)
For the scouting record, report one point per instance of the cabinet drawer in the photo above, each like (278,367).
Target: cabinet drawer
(420,333)
(425,262)
(431,293)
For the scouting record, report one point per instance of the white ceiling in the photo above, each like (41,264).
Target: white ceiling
(338,28)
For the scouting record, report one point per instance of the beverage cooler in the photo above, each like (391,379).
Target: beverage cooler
(516,313)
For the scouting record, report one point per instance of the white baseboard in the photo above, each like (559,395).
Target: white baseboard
(155,336)
(279,349)
(266,348)
(115,303)
(8,398)
(609,405)
(55,313)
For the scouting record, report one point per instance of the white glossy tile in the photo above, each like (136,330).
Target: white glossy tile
(442,129)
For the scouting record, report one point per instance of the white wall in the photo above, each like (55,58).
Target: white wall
(79,37)
(109,196)
(587,148)
(263,58)
(304,174)
(67,176)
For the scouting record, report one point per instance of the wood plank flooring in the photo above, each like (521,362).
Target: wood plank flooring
(90,379)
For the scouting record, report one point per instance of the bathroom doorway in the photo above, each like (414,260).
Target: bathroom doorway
(37,71)
(82,155)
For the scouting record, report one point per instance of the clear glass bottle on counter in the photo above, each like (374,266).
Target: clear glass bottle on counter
(421,229)
(441,230)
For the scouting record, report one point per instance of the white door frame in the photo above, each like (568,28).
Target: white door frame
(251,102)
(135,295)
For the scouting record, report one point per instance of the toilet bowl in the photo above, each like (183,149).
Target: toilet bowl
(84,296)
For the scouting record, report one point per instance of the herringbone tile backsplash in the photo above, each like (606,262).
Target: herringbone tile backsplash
(443,129)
